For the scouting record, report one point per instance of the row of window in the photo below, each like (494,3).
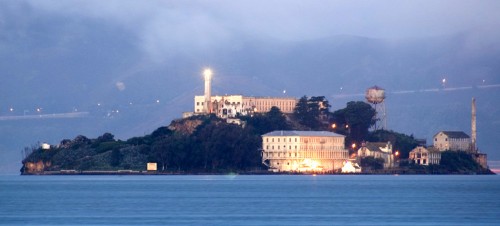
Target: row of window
(315,155)
(306,140)
(305,147)
(279,139)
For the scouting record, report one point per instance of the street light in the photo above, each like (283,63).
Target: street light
(334,126)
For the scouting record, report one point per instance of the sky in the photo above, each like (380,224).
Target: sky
(163,28)
(128,67)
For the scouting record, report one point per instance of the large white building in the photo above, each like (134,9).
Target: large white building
(303,151)
(452,141)
(228,106)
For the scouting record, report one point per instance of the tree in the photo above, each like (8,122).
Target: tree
(311,112)
(116,157)
(354,120)
(372,163)
(106,137)
(277,119)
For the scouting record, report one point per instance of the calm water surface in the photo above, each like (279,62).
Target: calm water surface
(250,200)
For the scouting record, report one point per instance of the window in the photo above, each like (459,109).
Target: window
(295,139)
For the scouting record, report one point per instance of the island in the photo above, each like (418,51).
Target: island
(228,141)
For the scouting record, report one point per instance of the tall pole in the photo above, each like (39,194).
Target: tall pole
(207,73)
(473,126)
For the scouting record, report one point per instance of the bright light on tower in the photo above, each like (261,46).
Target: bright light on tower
(207,73)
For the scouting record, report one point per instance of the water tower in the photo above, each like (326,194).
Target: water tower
(376,96)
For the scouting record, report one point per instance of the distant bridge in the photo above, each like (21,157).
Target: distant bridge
(46,116)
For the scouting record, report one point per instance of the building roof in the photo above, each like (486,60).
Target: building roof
(454,134)
(425,149)
(375,146)
(303,133)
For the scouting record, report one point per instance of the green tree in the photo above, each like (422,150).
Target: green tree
(116,157)
(106,137)
(354,120)
(311,112)
(372,163)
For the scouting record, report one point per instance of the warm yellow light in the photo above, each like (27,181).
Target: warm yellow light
(353,145)
(207,73)
(397,153)
(346,126)
(334,126)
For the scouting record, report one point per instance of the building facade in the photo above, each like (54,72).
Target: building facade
(425,156)
(377,150)
(452,140)
(303,151)
(229,106)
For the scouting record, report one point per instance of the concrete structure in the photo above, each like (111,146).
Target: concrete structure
(425,156)
(303,151)
(377,150)
(452,140)
(229,106)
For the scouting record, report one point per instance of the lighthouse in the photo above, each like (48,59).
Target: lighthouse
(473,127)
(207,106)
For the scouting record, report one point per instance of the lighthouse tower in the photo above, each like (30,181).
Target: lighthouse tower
(473,127)
(207,106)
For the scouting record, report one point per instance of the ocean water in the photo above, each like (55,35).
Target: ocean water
(250,200)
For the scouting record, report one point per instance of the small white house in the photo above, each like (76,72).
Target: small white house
(425,156)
